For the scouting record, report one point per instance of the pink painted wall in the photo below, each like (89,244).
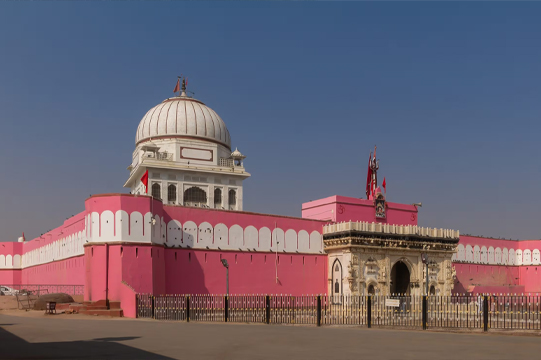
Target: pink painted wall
(341,208)
(10,277)
(472,277)
(127,300)
(115,272)
(11,248)
(63,272)
(137,267)
(530,278)
(10,252)
(95,273)
(201,272)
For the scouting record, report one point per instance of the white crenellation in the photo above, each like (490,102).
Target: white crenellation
(121,226)
(69,246)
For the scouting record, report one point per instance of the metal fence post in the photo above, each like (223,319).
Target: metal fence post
(485,313)
(153,308)
(267,309)
(226,307)
(319,310)
(369,311)
(187,308)
(425,311)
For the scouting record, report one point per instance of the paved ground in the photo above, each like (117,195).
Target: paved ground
(35,336)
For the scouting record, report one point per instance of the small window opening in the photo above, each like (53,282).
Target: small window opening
(156,191)
(195,196)
(232,197)
(172,194)
(217,198)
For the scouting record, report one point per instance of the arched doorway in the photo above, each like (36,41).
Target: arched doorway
(432,290)
(400,279)
(371,290)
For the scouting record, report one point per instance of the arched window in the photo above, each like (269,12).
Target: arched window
(156,191)
(337,277)
(172,193)
(195,196)
(232,198)
(217,198)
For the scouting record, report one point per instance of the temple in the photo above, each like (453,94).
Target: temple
(184,214)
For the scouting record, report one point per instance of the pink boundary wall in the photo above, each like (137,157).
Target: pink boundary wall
(117,269)
(497,278)
(153,268)
(63,272)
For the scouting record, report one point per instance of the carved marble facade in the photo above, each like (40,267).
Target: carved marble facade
(368,259)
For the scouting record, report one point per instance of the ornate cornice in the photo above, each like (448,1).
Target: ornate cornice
(353,239)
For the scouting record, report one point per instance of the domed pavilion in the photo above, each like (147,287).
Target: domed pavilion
(186,148)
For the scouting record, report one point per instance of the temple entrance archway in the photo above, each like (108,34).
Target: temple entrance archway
(400,278)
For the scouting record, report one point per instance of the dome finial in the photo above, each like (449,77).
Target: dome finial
(184,83)
(181,90)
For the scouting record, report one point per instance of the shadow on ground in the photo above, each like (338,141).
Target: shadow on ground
(13,347)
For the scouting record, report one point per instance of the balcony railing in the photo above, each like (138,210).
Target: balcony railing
(227,162)
(162,156)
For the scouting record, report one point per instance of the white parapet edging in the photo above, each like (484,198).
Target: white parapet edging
(391,229)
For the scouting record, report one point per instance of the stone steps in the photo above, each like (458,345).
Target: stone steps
(110,312)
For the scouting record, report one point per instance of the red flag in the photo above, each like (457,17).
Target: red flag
(177,88)
(384,184)
(369,176)
(144,180)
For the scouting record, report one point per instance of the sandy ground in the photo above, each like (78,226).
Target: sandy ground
(8,302)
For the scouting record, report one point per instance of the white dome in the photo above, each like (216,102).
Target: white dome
(182,117)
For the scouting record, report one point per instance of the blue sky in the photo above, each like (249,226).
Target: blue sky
(448,91)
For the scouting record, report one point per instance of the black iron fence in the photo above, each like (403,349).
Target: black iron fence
(457,311)
(40,289)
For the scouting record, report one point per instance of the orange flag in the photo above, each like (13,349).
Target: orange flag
(177,88)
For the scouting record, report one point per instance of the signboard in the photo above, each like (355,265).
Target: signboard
(392,302)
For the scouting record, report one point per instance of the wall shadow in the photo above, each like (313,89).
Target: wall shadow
(13,347)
